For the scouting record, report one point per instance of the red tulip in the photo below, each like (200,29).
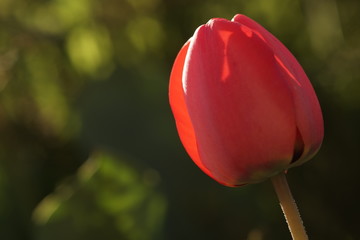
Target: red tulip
(244,108)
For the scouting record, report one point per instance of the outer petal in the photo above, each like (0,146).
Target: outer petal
(178,106)
(241,111)
(308,113)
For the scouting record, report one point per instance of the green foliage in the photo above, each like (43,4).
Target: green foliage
(106,194)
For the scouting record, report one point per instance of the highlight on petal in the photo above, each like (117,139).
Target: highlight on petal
(178,106)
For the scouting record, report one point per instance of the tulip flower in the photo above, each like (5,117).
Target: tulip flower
(244,108)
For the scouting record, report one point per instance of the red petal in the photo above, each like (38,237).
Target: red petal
(241,109)
(178,106)
(308,113)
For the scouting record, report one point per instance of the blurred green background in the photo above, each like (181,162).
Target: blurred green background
(88,145)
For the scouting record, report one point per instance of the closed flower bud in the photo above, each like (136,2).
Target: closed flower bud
(244,107)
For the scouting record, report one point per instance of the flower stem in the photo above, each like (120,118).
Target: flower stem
(289,207)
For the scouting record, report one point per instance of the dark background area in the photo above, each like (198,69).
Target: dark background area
(88,144)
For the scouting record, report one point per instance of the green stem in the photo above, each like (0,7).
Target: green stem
(289,207)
